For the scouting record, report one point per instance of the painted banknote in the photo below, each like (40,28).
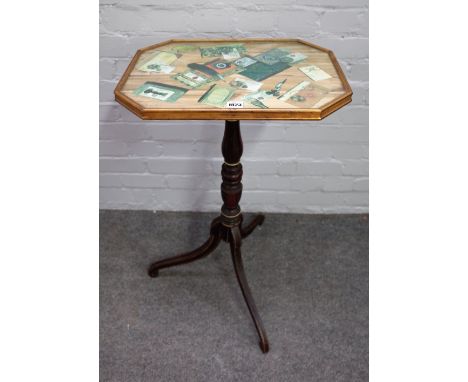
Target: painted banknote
(159,68)
(217,95)
(161,92)
(218,51)
(191,78)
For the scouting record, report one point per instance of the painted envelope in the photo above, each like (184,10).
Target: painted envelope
(160,58)
(304,94)
(272,56)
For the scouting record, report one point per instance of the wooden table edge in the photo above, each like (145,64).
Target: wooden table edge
(235,114)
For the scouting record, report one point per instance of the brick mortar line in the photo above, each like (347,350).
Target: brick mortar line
(114,103)
(263,190)
(125,34)
(250,160)
(274,124)
(242,7)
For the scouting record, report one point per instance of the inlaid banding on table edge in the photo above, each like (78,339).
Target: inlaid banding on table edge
(231,216)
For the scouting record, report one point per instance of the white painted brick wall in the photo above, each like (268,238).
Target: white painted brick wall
(303,167)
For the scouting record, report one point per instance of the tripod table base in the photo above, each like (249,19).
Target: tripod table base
(232,235)
(228,226)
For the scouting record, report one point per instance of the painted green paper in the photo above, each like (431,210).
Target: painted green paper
(161,92)
(217,95)
(260,71)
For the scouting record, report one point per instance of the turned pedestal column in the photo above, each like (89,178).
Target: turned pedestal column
(229,225)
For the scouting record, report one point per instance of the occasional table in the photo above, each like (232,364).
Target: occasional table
(232,80)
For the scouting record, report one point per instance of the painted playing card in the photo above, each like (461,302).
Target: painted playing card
(245,61)
(315,73)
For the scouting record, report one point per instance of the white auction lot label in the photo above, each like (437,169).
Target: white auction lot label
(235,104)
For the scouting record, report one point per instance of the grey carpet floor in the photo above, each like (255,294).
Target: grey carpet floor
(308,275)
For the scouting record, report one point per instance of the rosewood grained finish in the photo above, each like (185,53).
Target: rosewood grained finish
(228,226)
(304,82)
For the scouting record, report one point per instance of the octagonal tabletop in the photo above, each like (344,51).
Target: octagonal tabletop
(233,79)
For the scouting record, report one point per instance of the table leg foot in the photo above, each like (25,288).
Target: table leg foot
(235,244)
(264,346)
(248,229)
(202,251)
